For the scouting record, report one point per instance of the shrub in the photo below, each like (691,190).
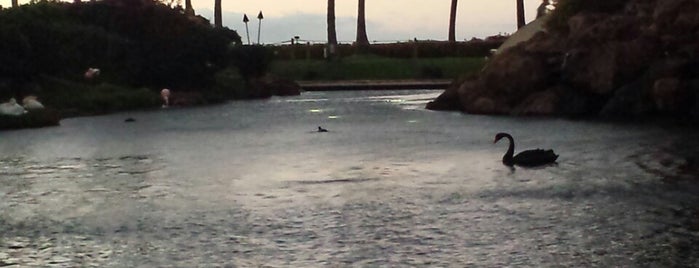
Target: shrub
(421,49)
(135,43)
(252,61)
(230,84)
(79,98)
(32,119)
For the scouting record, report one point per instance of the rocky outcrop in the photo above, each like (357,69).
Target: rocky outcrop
(639,61)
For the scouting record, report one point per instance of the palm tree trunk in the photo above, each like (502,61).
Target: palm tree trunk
(332,34)
(452,21)
(218,20)
(520,14)
(362,39)
(188,9)
(15,3)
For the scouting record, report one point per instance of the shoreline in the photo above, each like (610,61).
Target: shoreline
(401,84)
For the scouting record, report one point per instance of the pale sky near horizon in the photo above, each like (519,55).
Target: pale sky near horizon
(387,20)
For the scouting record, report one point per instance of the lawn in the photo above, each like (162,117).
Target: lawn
(376,68)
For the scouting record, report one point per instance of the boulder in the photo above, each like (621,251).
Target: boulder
(669,96)
(484,105)
(693,88)
(600,68)
(448,100)
(539,103)
(513,75)
(635,61)
(630,101)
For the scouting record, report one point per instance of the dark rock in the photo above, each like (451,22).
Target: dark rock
(669,95)
(667,67)
(600,68)
(539,103)
(629,101)
(635,61)
(513,75)
(693,88)
(448,100)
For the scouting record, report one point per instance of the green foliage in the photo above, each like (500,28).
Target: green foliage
(568,8)
(252,61)
(230,84)
(420,49)
(134,42)
(79,98)
(374,67)
(32,119)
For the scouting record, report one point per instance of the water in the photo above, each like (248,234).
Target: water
(252,184)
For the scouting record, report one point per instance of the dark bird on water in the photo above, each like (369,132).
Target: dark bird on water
(528,158)
(320,129)
(129,120)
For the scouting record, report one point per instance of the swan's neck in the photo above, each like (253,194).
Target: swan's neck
(507,159)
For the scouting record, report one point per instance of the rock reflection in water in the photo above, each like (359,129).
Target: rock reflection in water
(247,184)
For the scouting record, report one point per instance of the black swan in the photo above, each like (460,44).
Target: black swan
(529,158)
(320,129)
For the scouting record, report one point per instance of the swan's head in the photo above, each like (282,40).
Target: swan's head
(499,136)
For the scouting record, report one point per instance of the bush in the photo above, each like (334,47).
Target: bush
(420,49)
(32,119)
(230,84)
(252,61)
(78,98)
(135,43)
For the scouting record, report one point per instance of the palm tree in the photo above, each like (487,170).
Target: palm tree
(218,23)
(332,34)
(452,21)
(188,9)
(15,3)
(520,14)
(362,40)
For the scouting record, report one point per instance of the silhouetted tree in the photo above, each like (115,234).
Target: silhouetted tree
(520,14)
(332,34)
(218,20)
(362,39)
(452,21)
(15,3)
(188,9)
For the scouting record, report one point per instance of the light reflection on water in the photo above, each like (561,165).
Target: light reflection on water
(391,184)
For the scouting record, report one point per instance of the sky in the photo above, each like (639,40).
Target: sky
(387,20)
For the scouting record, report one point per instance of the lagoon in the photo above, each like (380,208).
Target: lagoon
(251,183)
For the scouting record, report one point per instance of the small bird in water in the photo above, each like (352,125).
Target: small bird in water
(320,129)
(528,158)
(129,120)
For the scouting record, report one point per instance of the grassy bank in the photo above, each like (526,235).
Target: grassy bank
(374,67)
